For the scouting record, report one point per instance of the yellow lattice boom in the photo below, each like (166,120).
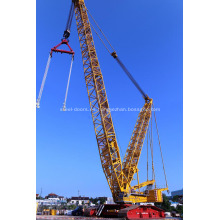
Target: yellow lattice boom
(119,175)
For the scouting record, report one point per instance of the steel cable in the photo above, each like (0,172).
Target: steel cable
(117,59)
(70,17)
(43,81)
(100,30)
(160,148)
(152,154)
(68,82)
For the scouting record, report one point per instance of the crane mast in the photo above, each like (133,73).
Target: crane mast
(101,115)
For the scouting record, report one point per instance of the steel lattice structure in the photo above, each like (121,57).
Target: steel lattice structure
(133,152)
(104,129)
(119,175)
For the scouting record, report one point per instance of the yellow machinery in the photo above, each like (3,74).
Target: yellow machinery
(119,174)
(36,207)
(53,211)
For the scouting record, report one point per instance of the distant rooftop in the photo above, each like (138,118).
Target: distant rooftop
(52,194)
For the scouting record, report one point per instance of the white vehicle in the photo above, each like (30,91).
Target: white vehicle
(68,212)
(167,214)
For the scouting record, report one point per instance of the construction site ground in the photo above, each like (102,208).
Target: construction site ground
(57,217)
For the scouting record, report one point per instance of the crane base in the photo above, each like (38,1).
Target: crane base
(127,211)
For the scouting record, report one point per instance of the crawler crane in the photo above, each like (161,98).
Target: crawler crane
(119,174)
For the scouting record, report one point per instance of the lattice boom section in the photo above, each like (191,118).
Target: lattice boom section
(133,151)
(105,134)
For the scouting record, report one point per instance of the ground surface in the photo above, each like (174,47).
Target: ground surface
(61,217)
(54,217)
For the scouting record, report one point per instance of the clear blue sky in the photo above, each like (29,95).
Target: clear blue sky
(148,37)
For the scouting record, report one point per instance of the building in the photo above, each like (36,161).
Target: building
(79,200)
(55,198)
(52,196)
(110,200)
(61,198)
(45,202)
(50,202)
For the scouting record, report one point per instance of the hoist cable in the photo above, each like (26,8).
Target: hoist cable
(116,57)
(100,38)
(43,81)
(66,33)
(147,151)
(70,17)
(152,166)
(160,148)
(68,82)
(138,181)
(152,154)
(100,30)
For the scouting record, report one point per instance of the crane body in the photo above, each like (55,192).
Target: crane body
(119,173)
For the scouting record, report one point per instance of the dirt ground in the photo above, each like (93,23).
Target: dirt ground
(57,217)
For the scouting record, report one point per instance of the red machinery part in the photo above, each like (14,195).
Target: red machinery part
(56,50)
(127,211)
(90,212)
(141,212)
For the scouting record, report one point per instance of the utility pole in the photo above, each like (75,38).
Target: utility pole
(40,192)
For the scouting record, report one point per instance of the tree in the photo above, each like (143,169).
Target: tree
(72,207)
(102,200)
(179,209)
(175,199)
(165,205)
(94,200)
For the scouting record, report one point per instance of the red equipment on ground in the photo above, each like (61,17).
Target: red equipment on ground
(127,211)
